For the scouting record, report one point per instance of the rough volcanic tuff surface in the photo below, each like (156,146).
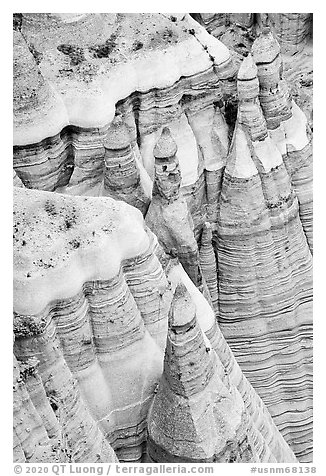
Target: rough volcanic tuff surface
(162,238)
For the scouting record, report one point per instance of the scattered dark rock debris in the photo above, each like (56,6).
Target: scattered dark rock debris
(173,18)
(68,223)
(50,208)
(191,31)
(28,368)
(17,21)
(282,201)
(27,326)
(105,49)
(75,53)
(74,243)
(233,458)
(137,45)
(42,264)
(23,243)
(168,35)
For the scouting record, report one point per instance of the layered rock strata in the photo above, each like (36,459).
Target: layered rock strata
(287,124)
(93,287)
(31,441)
(168,214)
(84,343)
(75,282)
(122,178)
(265,429)
(208,265)
(197,416)
(83,156)
(59,135)
(216,23)
(292,30)
(51,421)
(294,33)
(263,253)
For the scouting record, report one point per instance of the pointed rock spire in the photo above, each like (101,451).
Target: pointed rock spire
(189,368)
(167,179)
(256,195)
(166,146)
(118,135)
(248,85)
(194,418)
(292,140)
(275,98)
(291,29)
(266,47)
(122,179)
(250,114)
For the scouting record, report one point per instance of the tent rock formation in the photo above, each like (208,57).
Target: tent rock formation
(162,239)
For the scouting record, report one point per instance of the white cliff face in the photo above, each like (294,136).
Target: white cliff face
(87,98)
(72,93)
(77,281)
(134,176)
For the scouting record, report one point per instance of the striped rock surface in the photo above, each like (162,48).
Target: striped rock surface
(168,214)
(82,271)
(288,125)
(122,177)
(265,278)
(209,266)
(105,331)
(292,30)
(196,416)
(266,433)
(51,421)
(59,134)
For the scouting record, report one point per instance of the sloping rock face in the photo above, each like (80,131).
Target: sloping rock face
(90,345)
(197,414)
(168,213)
(78,310)
(171,269)
(293,32)
(74,92)
(287,125)
(256,235)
